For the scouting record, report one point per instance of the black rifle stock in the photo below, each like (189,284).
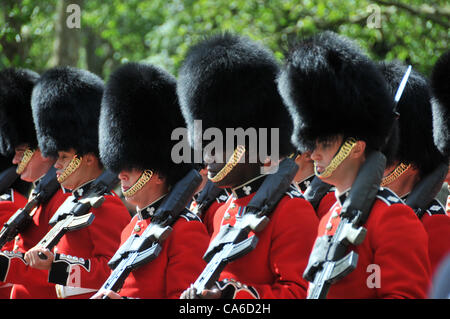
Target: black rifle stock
(316,191)
(7,178)
(426,190)
(74,213)
(140,250)
(47,187)
(232,242)
(329,260)
(208,194)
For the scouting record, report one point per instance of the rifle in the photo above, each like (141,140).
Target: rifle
(47,187)
(328,261)
(74,213)
(426,190)
(7,178)
(316,191)
(140,250)
(208,194)
(232,242)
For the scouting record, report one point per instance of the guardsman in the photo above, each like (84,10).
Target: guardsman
(139,112)
(66,109)
(228,81)
(416,155)
(342,109)
(18,136)
(440,85)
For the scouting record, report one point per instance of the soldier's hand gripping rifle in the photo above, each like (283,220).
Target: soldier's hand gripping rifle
(47,187)
(232,242)
(426,190)
(74,213)
(140,250)
(7,178)
(329,260)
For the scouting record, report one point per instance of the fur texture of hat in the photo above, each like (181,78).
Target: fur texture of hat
(16,120)
(440,84)
(330,88)
(415,140)
(139,113)
(229,81)
(66,108)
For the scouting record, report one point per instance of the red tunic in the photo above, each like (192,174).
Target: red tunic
(10,202)
(437,225)
(82,256)
(274,268)
(178,264)
(29,282)
(393,258)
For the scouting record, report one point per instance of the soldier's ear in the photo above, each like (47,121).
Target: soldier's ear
(159,179)
(90,159)
(359,149)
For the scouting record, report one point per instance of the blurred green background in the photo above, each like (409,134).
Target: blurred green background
(34,33)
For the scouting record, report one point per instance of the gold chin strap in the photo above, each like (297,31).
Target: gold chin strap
(72,167)
(27,155)
(142,180)
(396,173)
(234,159)
(344,151)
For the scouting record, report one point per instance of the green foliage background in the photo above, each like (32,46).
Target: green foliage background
(161,31)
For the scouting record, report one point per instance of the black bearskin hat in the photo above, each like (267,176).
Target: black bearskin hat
(229,81)
(331,87)
(66,108)
(16,120)
(440,83)
(415,139)
(139,112)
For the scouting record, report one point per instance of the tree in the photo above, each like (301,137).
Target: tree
(161,31)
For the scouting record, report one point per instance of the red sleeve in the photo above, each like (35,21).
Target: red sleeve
(12,265)
(294,232)
(438,229)
(91,248)
(188,242)
(15,270)
(7,209)
(400,246)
